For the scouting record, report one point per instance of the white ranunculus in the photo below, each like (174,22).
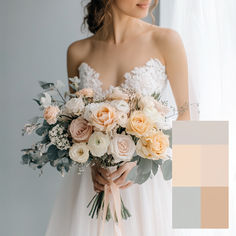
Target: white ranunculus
(46,101)
(75,106)
(121,105)
(98,143)
(122,147)
(146,101)
(79,152)
(122,119)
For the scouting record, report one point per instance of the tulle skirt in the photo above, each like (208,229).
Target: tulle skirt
(149,205)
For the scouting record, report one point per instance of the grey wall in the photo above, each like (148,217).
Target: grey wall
(34,38)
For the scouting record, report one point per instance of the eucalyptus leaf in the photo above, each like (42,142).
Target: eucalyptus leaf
(166,168)
(45,140)
(154,167)
(37,101)
(41,130)
(141,178)
(45,85)
(132,174)
(145,165)
(25,159)
(141,172)
(62,153)
(135,158)
(169,133)
(52,152)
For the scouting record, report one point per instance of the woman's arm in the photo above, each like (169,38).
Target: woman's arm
(177,70)
(72,63)
(76,52)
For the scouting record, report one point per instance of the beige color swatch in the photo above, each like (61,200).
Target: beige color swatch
(214,165)
(186,160)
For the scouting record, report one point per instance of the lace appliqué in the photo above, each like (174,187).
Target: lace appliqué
(146,79)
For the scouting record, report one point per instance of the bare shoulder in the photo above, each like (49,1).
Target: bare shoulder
(166,36)
(77,50)
(76,53)
(168,41)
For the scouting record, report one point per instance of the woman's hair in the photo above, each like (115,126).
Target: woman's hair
(99,12)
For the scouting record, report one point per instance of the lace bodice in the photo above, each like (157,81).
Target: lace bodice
(146,79)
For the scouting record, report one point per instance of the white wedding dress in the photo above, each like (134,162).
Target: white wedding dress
(150,204)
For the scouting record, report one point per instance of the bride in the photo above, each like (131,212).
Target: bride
(124,51)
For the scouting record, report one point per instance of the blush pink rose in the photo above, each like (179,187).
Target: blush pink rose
(80,130)
(161,108)
(122,147)
(117,94)
(50,114)
(86,92)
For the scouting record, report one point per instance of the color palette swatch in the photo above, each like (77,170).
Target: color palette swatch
(200,174)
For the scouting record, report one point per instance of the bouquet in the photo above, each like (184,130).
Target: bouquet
(78,130)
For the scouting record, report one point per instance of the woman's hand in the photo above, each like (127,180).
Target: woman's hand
(121,173)
(99,177)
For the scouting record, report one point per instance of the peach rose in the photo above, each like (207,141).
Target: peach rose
(80,130)
(153,146)
(117,94)
(138,124)
(104,117)
(86,92)
(50,114)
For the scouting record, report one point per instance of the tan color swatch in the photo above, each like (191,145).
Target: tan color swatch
(214,207)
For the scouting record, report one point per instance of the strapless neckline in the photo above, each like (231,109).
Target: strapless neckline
(126,75)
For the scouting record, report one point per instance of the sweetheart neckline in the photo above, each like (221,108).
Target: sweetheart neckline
(135,68)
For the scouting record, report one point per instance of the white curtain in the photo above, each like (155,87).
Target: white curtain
(208,31)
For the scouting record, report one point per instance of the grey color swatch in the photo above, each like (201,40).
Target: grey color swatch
(186,207)
(200,132)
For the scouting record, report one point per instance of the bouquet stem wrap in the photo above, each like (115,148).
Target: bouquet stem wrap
(111,193)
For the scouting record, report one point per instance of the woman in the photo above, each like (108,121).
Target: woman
(123,51)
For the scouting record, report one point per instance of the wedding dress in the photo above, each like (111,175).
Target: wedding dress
(149,203)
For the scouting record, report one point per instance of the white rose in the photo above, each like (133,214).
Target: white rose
(122,119)
(75,106)
(153,114)
(122,147)
(121,105)
(98,143)
(156,117)
(146,101)
(79,152)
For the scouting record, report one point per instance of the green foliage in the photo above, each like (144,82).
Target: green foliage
(169,133)
(142,171)
(37,101)
(52,153)
(45,85)
(166,168)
